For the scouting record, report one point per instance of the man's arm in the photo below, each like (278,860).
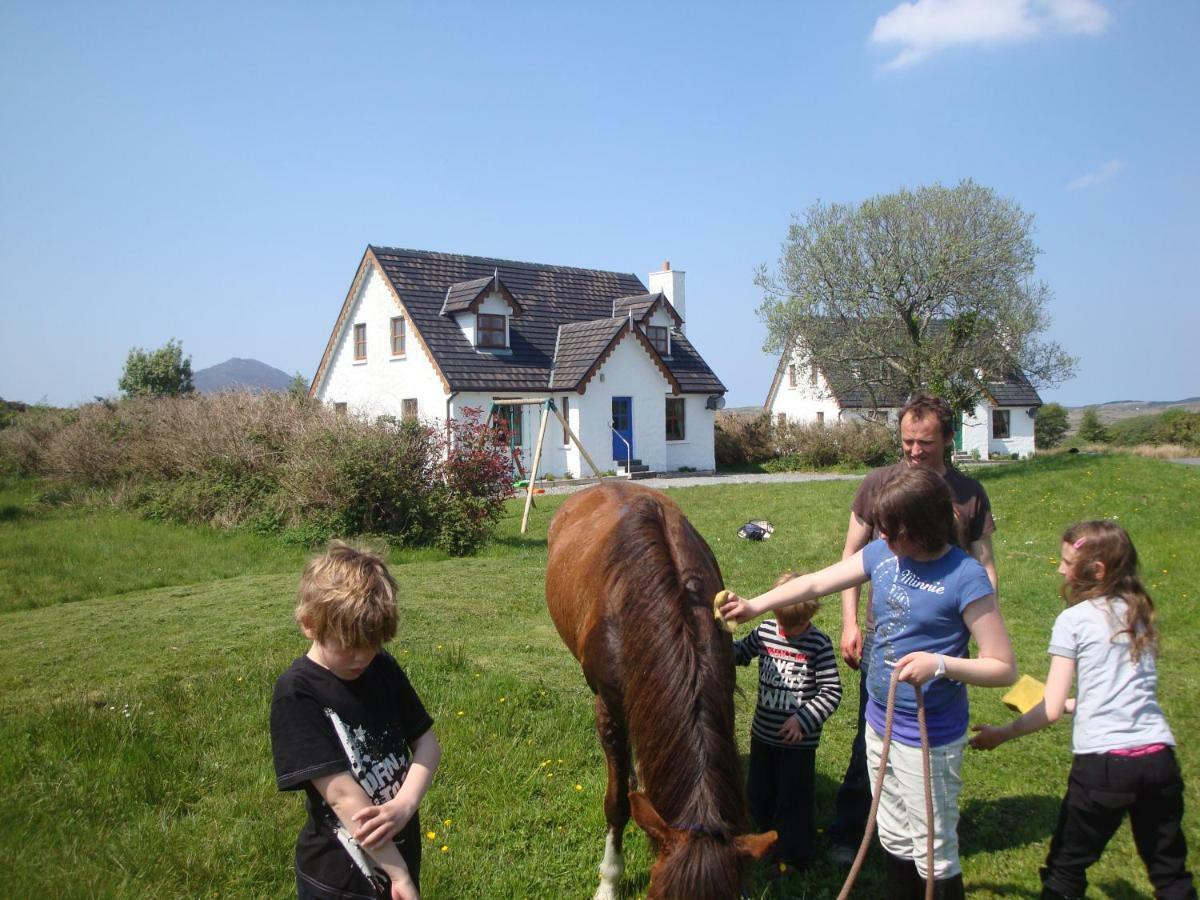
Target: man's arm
(982,551)
(858,535)
(346,797)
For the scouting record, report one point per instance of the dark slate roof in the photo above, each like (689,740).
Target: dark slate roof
(550,296)
(1015,390)
(642,305)
(460,295)
(580,344)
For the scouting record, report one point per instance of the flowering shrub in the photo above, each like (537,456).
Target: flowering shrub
(478,479)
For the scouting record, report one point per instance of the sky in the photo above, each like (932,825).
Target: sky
(212,172)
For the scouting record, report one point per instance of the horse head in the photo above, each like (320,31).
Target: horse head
(693,862)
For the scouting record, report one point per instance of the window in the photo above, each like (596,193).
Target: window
(339,408)
(791,376)
(360,341)
(508,420)
(398,336)
(566,414)
(658,338)
(408,408)
(675,430)
(820,417)
(812,375)
(490,331)
(1000,423)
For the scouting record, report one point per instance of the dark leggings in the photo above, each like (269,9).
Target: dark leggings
(1101,789)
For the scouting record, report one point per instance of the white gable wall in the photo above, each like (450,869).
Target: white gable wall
(696,450)
(805,400)
(377,385)
(978,432)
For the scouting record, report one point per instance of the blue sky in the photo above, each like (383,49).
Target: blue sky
(212,172)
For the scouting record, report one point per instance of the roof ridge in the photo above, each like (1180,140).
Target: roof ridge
(406,251)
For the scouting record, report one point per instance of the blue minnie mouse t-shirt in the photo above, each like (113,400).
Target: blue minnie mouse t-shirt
(919,605)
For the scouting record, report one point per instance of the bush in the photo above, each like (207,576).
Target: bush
(812,446)
(1175,426)
(740,439)
(273,463)
(1091,430)
(1050,426)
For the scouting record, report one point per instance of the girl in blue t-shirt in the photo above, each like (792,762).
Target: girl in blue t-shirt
(1105,641)
(929,599)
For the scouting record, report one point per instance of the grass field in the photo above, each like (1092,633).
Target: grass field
(138,659)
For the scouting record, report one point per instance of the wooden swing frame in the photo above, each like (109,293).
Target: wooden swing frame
(548,407)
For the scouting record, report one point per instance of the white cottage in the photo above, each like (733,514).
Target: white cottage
(428,335)
(1001,424)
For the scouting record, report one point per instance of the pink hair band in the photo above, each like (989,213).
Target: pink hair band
(1079,543)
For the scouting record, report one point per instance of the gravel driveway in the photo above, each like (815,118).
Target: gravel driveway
(662,484)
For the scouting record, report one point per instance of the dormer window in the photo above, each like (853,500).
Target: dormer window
(491,331)
(659,339)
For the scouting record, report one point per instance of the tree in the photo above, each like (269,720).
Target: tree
(1091,429)
(297,388)
(164,372)
(1049,426)
(928,290)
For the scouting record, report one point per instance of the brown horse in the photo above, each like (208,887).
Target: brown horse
(630,586)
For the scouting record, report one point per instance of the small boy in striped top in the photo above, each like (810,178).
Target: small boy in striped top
(798,689)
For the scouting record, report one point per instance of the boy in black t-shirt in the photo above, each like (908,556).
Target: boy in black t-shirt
(348,729)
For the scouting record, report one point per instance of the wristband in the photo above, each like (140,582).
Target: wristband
(941,669)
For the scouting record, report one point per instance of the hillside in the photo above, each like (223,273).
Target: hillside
(1116,410)
(240,374)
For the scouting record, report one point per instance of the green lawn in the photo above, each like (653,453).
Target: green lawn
(138,659)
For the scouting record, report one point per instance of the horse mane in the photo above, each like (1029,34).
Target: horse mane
(677,670)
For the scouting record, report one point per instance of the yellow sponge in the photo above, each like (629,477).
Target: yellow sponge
(721,597)
(1025,694)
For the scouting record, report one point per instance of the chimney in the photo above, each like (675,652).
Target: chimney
(670,283)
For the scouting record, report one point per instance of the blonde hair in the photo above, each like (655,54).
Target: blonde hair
(795,615)
(348,597)
(1105,542)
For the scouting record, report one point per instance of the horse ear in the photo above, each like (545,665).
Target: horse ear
(755,845)
(648,818)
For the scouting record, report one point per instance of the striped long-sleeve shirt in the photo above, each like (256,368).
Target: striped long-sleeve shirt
(797,676)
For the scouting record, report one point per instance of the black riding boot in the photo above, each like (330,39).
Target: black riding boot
(1049,894)
(948,888)
(904,882)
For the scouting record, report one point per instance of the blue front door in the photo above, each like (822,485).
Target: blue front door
(622,423)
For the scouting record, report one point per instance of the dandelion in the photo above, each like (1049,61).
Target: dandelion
(445,849)
(503,699)
(448,822)
(579,787)
(461,712)
(432,835)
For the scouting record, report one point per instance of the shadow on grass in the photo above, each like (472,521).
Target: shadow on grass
(1118,889)
(1001,890)
(10,512)
(986,826)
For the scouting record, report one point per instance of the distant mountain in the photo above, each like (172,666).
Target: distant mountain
(240,374)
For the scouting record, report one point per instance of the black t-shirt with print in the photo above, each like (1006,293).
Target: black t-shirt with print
(322,725)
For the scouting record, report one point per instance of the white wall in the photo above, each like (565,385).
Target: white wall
(377,385)
(696,450)
(802,402)
(977,432)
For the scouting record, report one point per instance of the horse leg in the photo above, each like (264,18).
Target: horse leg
(615,742)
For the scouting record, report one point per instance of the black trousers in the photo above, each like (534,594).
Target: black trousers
(854,796)
(780,793)
(1101,789)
